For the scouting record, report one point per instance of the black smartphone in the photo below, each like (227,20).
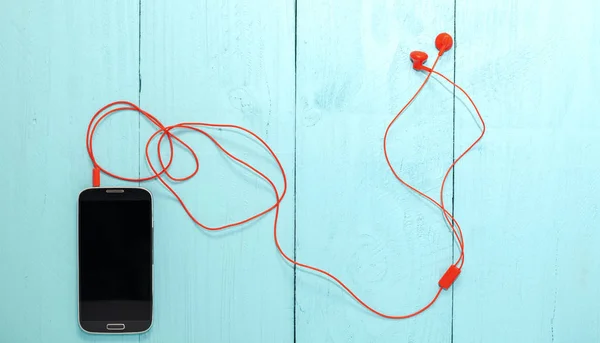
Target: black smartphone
(115,260)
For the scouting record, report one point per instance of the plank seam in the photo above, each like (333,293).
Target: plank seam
(295,149)
(139,89)
(453,171)
(139,100)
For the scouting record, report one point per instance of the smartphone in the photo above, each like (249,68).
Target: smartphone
(115,260)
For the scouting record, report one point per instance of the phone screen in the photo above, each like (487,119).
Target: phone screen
(115,257)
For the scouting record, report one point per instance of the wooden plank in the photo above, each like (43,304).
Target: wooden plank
(59,62)
(526,196)
(353,218)
(221,62)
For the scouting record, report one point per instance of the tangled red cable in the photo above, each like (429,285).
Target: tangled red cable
(160,173)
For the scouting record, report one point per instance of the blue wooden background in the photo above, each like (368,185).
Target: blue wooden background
(319,80)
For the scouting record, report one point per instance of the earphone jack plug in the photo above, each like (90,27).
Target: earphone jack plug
(96,177)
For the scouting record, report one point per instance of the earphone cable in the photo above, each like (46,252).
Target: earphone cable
(162,174)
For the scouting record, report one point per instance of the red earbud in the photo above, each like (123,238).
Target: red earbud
(443,42)
(418,58)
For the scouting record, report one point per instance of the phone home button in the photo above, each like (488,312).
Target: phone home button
(115,327)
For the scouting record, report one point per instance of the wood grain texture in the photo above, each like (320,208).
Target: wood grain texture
(354,218)
(222,62)
(59,62)
(526,197)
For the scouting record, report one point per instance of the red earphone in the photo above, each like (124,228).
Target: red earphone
(443,43)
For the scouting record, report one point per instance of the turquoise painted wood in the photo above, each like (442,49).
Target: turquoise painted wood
(354,218)
(59,62)
(321,94)
(222,62)
(526,197)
